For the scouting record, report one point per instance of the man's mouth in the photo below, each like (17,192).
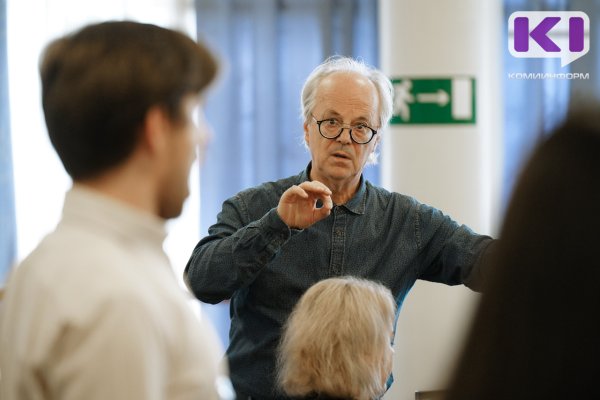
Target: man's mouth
(341,155)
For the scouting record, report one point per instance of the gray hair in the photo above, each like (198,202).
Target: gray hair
(336,340)
(385,90)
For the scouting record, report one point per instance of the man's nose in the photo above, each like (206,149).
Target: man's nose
(345,137)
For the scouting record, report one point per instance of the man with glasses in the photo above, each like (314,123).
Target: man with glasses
(272,242)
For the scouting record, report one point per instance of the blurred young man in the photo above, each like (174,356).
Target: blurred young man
(95,311)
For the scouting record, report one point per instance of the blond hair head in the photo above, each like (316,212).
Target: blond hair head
(337,340)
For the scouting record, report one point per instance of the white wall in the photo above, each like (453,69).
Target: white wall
(40,180)
(455,168)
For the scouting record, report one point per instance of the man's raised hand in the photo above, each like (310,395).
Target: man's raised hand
(298,205)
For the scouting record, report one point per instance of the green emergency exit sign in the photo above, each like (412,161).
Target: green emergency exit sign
(434,100)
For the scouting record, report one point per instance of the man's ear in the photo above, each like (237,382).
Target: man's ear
(377,139)
(306,135)
(154,129)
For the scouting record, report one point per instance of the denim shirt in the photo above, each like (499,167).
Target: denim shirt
(252,258)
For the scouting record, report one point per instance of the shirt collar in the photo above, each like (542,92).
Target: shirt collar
(89,206)
(357,204)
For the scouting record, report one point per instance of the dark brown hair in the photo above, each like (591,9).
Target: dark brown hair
(99,82)
(535,334)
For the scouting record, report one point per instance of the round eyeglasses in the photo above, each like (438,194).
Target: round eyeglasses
(331,128)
